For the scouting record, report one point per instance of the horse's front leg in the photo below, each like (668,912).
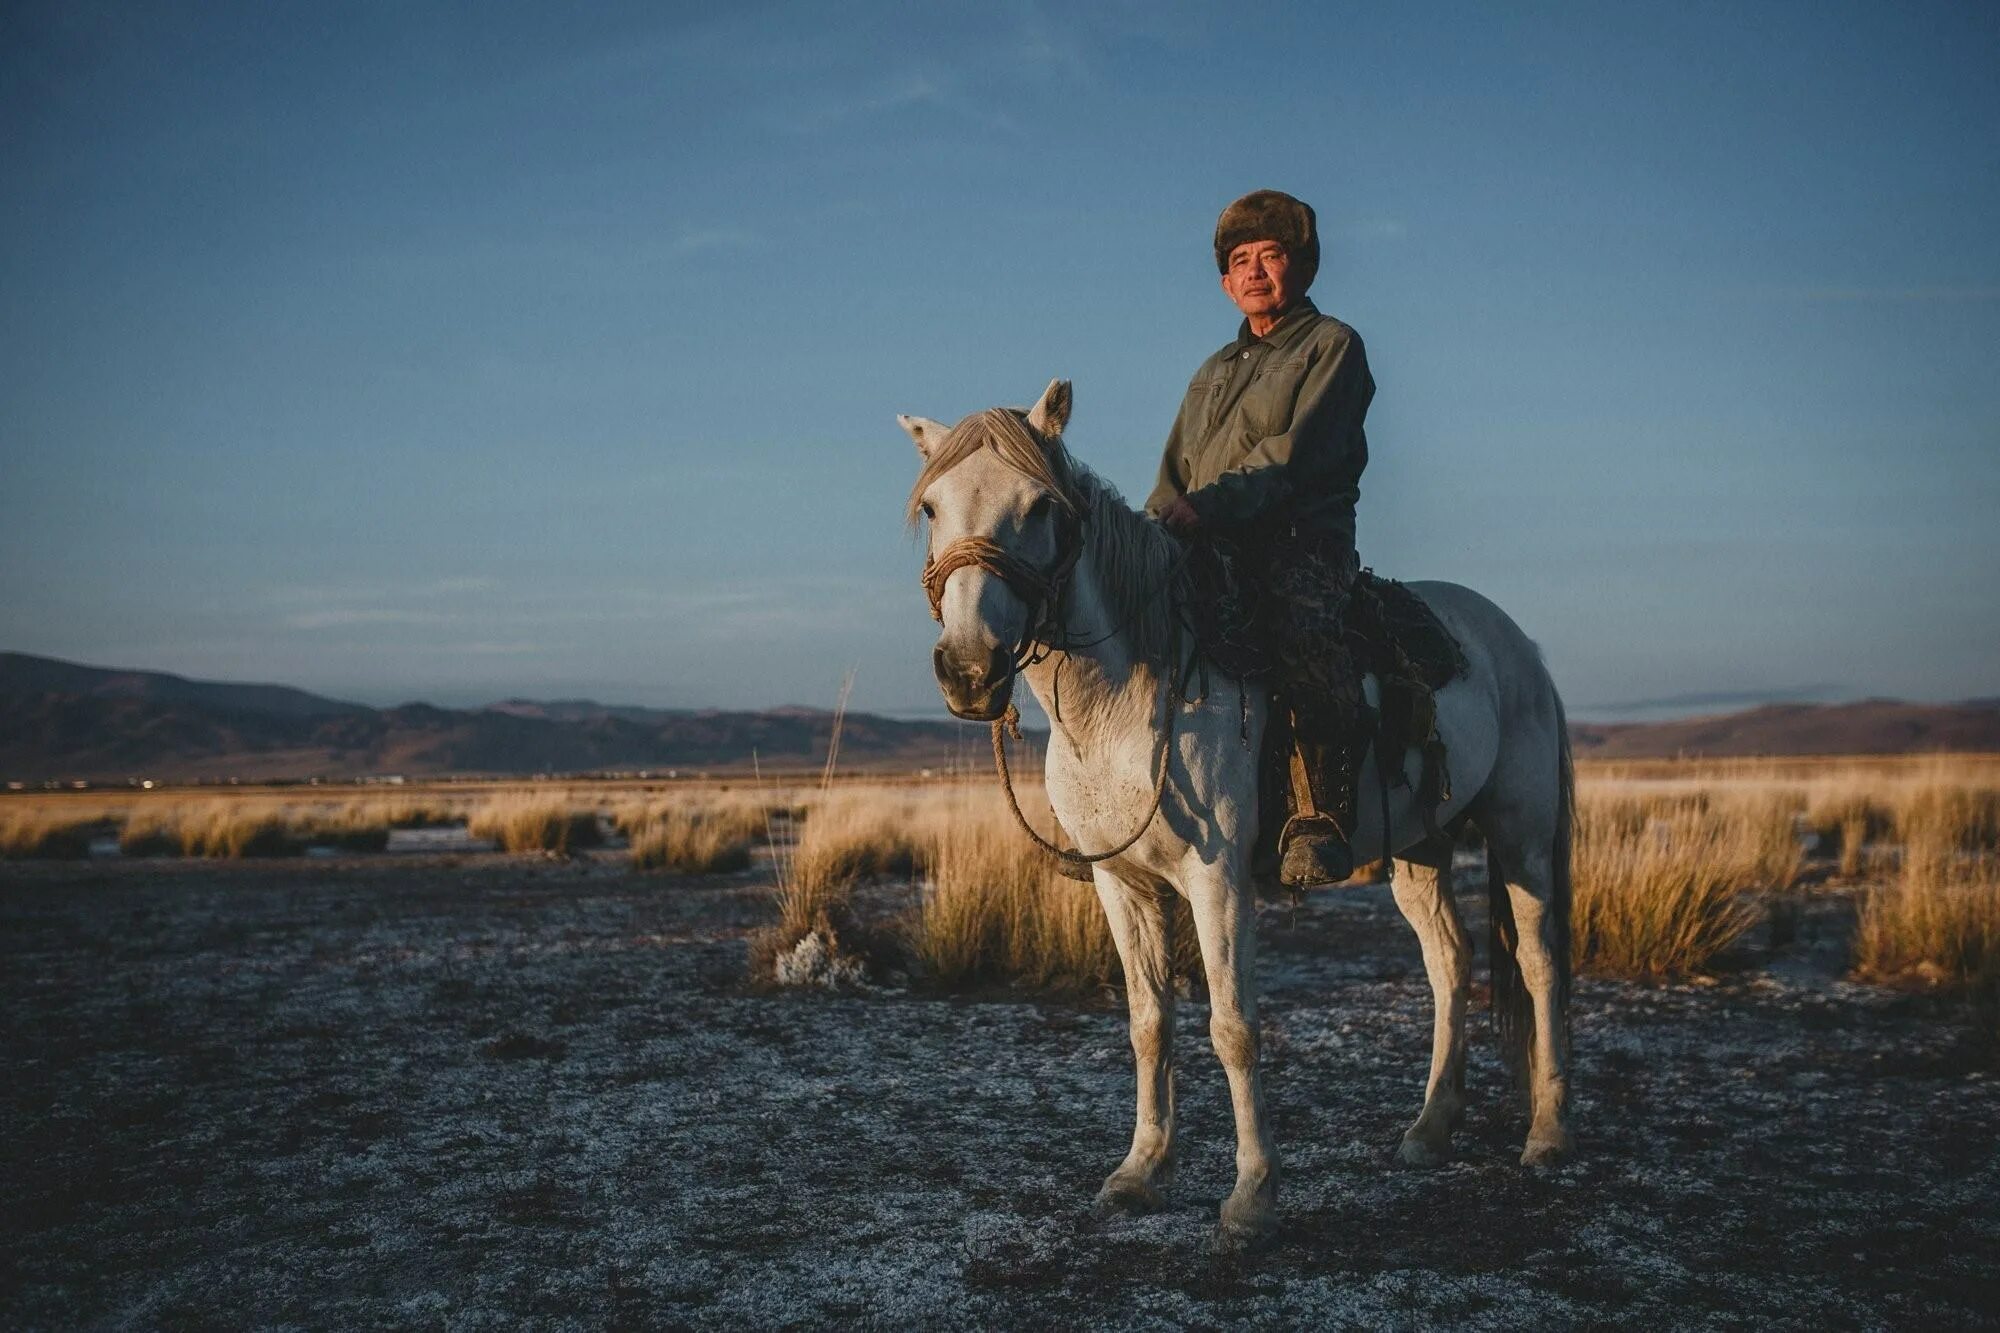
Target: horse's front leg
(1139,925)
(1226,918)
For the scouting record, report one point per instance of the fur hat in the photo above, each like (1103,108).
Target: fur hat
(1270,215)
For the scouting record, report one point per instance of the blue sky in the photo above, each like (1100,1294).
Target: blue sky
(455,352)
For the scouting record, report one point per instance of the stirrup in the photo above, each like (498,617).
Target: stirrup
(1313,852)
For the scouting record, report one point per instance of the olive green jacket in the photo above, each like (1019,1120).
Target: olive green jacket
(1269,435)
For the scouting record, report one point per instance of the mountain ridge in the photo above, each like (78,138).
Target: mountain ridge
(67,721)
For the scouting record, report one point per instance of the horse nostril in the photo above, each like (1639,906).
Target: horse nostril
(959,675)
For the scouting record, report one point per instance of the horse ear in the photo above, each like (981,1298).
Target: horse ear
(1051,414)
(924,431)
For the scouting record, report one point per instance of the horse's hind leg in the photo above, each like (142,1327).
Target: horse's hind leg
(1539,940)
(1423,892)
(1139,925)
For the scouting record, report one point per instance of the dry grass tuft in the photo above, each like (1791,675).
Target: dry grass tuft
(850,835)
(530,823)
(218,828)
(1938,922)
(996,912)
(712,838)
(36,834)
(350,826)
(1660,882)
(846,836)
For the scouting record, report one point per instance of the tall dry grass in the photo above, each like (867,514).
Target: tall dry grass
(1661,884)
(844,836)
(212,828)
(692,836)
(530,822)
(32,833)
(995,912)
(1938,921)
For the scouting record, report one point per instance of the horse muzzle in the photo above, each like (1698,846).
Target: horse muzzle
(978,691)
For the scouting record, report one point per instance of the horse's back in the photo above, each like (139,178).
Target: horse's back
(1501,660)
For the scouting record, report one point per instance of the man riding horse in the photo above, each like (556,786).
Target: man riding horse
(1265,460)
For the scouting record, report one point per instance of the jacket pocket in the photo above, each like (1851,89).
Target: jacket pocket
(1269,398)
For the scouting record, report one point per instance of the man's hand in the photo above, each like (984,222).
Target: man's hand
(1180,517)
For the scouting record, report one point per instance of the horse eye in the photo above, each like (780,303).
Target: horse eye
(930,514)
(1040,507)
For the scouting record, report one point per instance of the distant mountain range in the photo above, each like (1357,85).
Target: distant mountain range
(1872,726)
(60,720)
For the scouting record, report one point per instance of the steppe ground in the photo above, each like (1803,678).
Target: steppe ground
(429,1091)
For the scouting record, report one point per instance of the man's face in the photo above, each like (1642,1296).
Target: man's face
(1261,279)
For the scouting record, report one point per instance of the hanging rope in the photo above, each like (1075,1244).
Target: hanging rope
(1010,721)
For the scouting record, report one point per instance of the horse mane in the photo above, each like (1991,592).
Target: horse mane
(1132,555)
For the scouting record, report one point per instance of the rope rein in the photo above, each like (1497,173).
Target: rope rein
(1010,721)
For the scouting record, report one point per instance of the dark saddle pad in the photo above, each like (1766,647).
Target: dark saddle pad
(1394,636)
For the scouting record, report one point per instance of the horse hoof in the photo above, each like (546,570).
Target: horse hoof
(1247,1223)
(1416,1152)
(1543,1154)
(1238,1237)
(1124,1194)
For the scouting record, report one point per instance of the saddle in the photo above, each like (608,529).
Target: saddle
(1393,636)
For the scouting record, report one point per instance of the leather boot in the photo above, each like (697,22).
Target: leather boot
(1313,851)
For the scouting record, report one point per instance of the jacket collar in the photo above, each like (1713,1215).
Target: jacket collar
(1285,331)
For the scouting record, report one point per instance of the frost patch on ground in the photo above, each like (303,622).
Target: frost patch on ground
(348,1093)
(814,962)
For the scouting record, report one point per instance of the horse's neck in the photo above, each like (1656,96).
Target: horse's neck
(1109,682)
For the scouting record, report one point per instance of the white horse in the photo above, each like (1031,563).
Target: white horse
(1038,568)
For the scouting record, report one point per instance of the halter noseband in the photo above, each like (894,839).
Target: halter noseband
(1041,590)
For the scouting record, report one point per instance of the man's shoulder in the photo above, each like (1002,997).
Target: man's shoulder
(1326,330)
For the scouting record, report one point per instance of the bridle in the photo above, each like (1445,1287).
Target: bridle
(1043,591)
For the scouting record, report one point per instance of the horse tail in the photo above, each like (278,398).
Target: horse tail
(1560,893)
(1513,1006)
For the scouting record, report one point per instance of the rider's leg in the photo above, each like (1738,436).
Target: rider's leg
(1316,679)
